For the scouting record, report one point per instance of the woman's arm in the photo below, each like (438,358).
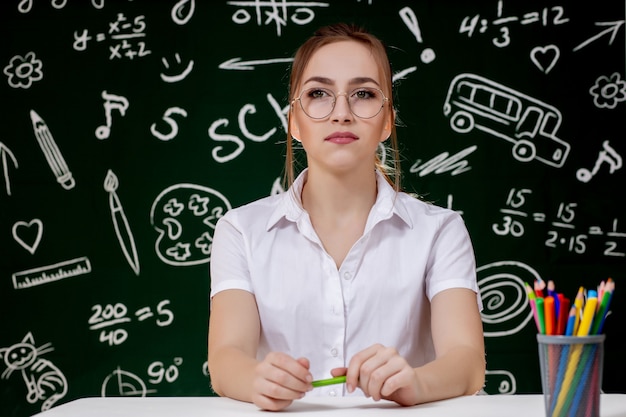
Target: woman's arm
(234,329)
(458,369)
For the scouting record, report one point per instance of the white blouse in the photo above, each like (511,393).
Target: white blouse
(409,251)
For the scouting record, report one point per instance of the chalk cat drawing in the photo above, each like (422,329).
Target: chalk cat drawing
(44,381)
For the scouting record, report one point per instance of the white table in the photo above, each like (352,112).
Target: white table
(611,405)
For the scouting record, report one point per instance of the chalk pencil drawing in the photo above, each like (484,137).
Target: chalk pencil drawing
(184,216)
(51,152)
(475,102)
(45,382)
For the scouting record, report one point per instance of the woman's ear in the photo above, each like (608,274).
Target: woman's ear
(386,132)
(293,128)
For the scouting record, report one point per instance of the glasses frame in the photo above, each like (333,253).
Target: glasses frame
(335,96)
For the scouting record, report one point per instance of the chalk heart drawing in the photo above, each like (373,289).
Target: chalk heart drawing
(23,234)
(545,57)
(184,216)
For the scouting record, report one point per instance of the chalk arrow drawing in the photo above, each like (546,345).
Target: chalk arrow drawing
(29,246)
(238,64)
(612,27)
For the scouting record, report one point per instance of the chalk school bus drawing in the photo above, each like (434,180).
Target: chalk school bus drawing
(475,102)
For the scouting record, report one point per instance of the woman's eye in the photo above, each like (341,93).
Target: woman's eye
(317,93)
(364,94)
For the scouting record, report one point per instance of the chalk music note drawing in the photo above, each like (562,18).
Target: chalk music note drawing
(52,152)
(120,222)
(111,102)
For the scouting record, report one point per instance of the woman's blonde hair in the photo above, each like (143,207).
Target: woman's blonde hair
(346,32)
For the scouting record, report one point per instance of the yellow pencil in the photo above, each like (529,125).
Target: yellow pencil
(588,312)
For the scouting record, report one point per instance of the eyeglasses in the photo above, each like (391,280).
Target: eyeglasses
(364,102)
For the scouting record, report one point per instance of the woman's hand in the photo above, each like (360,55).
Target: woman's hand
(279,379)
(381,373)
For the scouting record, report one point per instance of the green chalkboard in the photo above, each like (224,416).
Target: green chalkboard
(130,127)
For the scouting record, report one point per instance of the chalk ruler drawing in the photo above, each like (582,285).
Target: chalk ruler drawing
(51,273)
(120,222)
(184,216)
(51,152)
(474,102)
(45,382)
(37,225)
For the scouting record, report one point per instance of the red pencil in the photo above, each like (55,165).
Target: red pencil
(549,315)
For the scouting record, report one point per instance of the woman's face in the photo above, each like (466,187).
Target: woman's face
(340,141)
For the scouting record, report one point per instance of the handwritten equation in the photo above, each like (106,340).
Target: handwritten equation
(563,232)
(109,318)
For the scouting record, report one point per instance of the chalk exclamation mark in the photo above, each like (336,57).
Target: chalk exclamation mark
(410,20)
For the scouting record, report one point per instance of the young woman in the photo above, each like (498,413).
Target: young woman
(343,274)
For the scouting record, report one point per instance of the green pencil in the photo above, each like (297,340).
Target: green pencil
(329,381)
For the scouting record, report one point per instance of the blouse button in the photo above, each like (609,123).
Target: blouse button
(332,393)
(334,352)
(347,275)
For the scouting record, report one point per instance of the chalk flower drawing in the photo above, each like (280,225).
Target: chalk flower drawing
(608,91)
(23,71)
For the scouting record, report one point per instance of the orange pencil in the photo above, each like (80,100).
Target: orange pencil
(550,314)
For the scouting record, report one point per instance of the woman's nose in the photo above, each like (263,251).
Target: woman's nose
(342,111)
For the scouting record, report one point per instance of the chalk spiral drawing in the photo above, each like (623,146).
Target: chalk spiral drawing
(44,381)
(184,216)
(183,11)
(22,71)
(170,122)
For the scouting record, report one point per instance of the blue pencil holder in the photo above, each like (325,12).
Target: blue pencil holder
(571,374)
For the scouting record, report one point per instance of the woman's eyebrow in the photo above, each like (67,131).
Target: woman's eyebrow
(353,81)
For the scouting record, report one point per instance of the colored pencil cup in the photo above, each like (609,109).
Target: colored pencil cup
(571,374)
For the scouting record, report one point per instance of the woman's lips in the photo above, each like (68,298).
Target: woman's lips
(341,137)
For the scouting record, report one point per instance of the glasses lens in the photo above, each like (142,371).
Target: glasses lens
(364,102)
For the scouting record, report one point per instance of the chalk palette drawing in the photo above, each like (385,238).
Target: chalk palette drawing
(612,28)
(51,152)
(183,11)
(546,16)
(23,234)
(45,382)
(174,78)
(545,57)
(120,383)
(505,303)
(4,151)
(23,71)
(607,155)
(410,20)
(122,35)
(608,92)
(184,216)
(50,273)
(500,382)
(120,222)
(442,163)
(170,122)
(238,64)
(111,102)
(277,11)
(475,102)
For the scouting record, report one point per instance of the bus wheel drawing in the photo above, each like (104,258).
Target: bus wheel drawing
(524,150)
(462,122)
